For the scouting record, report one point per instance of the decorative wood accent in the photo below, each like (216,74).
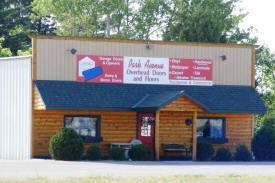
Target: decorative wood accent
(32,117)
(38,102)
(253,68)
(141,41)
(34,55)
(157,135)
(34,74)
(182,104)
(116,126)
(253,126)
(194,146)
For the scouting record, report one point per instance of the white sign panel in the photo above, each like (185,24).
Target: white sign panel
(142,70)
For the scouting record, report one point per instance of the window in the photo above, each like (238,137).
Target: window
(146,123)
(211,130)
(88,127)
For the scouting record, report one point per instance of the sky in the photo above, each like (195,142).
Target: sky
(262,17)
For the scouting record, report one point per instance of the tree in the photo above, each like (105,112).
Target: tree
(265,69)
(149,18)
(25,52)
(205,21)
(119,18)
(16,25)
(214,21)
(263,143)
(4,52)
(265,81)
(126,19)
(73,17)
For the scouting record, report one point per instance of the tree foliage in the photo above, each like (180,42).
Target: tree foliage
(104,18)
(149,18)
(265,81)
(73,17)
(84,17)
(25,52)
(205,21)
(177,20)
(263,143)
(66,144)
(4,52)
(16,24)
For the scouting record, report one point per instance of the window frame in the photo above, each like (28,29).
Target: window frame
(98,137)
(221,140)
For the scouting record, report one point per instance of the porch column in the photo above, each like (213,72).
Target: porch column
(157,135)
(194,145)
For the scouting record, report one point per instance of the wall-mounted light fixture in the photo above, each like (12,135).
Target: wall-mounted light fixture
(223,57)
(148,45)
(188,122)
(72,51)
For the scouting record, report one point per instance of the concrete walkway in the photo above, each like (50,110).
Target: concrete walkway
(50,168)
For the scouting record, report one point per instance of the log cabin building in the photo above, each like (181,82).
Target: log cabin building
(114,91)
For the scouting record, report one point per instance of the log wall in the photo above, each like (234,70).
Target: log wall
(120,126)
(174,130)
(182,104)
(116,126)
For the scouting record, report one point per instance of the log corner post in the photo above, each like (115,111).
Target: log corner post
(194,143)
(157,135)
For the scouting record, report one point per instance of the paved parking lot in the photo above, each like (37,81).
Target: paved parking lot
(50,168)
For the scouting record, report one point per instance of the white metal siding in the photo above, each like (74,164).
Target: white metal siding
(15,108)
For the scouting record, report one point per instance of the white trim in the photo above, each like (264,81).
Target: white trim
(15,58)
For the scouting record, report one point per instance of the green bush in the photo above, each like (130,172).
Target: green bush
(141,153)
(116,153)
(263,143)
(242,154)
(94,152)
(66,144)
(205,151)
(223,154)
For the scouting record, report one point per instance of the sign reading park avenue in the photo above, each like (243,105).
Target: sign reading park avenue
(143,70)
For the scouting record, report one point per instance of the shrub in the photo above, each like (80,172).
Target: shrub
(263,143)
(116,153)
(242,153)
(205,151)
(223,154)
(141,153)
(66,144)
(94,152)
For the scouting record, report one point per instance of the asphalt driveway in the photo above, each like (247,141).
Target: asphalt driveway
(52,169)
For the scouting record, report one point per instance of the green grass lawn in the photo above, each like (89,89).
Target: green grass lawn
(171,179)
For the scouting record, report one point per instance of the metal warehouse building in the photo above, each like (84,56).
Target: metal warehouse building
(15,107)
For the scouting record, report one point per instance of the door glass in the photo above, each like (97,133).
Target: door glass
(145,127)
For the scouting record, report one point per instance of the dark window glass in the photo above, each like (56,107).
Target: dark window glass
(87,127)
(210,128)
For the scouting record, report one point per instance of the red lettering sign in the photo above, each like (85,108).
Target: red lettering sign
(99,69)
(143,70)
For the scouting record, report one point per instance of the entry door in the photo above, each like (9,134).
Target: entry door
(146,129)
